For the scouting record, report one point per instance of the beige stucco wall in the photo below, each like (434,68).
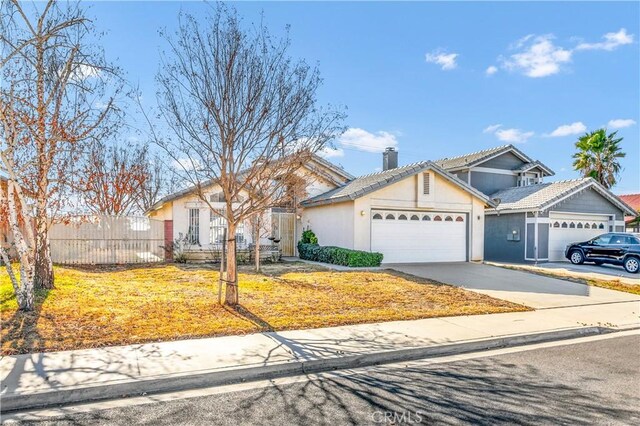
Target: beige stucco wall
(332,224)
(349,224)
(178,210)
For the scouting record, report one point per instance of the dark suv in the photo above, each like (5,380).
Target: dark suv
(614,248)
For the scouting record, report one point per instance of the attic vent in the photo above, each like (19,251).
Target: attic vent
(426,185)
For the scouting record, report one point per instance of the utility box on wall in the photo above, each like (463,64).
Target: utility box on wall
(514,235)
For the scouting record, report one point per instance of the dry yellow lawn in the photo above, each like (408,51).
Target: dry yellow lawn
(123,305)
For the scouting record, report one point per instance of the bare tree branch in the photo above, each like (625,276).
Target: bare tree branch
(242,113)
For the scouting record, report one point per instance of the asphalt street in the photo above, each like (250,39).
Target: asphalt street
(597,382)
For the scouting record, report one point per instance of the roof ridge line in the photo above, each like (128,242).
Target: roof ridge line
(475,152)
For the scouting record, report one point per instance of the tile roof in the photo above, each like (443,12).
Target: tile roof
(529,166)
(472,158)
(368,183)
(545,195)
(469,160)
(632,199)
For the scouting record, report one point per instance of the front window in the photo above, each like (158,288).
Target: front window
(217,225)
(193,234)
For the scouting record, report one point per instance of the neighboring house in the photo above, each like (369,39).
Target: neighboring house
(187,216)
(414,213)
(632,222)
(533,220)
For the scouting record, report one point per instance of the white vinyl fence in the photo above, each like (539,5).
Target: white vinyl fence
(107,240)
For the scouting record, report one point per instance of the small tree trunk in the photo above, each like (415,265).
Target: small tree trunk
(231,293)
(44,277)
(23,288)
(257,242)
(25,295)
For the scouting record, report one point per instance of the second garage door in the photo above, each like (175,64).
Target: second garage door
(411,236)
(566,228)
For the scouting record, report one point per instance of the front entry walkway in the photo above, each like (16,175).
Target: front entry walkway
(519,287)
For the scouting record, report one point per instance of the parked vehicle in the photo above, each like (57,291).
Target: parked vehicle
(612,248)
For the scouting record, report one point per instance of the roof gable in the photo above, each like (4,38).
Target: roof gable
(325,169)
(481,157)
(546,195)
(366,184)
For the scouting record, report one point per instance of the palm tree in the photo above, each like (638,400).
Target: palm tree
(598,156)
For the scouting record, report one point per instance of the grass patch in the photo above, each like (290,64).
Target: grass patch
(612,284)
(103,306)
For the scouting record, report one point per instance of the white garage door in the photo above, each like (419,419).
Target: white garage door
(565,228)
(410,236)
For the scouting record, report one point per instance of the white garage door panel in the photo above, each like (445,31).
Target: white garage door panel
(565,228)
(405,241)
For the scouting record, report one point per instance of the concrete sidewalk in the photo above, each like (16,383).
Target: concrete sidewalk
(62,377)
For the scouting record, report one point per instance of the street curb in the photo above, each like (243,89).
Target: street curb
(249,374)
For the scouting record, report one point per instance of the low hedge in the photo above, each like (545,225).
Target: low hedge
(338,255)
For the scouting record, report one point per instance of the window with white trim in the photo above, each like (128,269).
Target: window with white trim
(217,225)
(193,233)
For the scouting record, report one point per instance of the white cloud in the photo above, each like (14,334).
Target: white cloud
(538,56)
(186,164)
(513,135)
(569,129)
(446,60)
(491,70)
(365,141)
(620,123)
(84,71)
(329,152)
(100,105)
(492,128)
(611,41)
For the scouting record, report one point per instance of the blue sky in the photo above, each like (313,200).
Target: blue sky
(419,76)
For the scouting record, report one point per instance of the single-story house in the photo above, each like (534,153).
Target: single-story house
(632,222)
(189,219)
(414,213)
(534,220)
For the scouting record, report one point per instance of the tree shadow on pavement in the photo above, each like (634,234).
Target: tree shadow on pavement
(474,392)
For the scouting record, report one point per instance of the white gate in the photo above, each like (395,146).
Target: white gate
(283,228)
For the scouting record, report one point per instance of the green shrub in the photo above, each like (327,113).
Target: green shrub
(338,255)
(308,237)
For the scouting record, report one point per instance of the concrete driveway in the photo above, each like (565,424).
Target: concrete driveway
(589,270)
(519,287)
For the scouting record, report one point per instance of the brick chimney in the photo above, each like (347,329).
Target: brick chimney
(389,159)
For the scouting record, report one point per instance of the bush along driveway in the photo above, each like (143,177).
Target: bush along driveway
(95,307)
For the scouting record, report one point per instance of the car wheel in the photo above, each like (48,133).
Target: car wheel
(576,257)
(632,265)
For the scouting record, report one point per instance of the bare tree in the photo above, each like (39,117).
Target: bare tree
(14,213)
(160,180)
(113,178)
(242,113)
(61,91)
